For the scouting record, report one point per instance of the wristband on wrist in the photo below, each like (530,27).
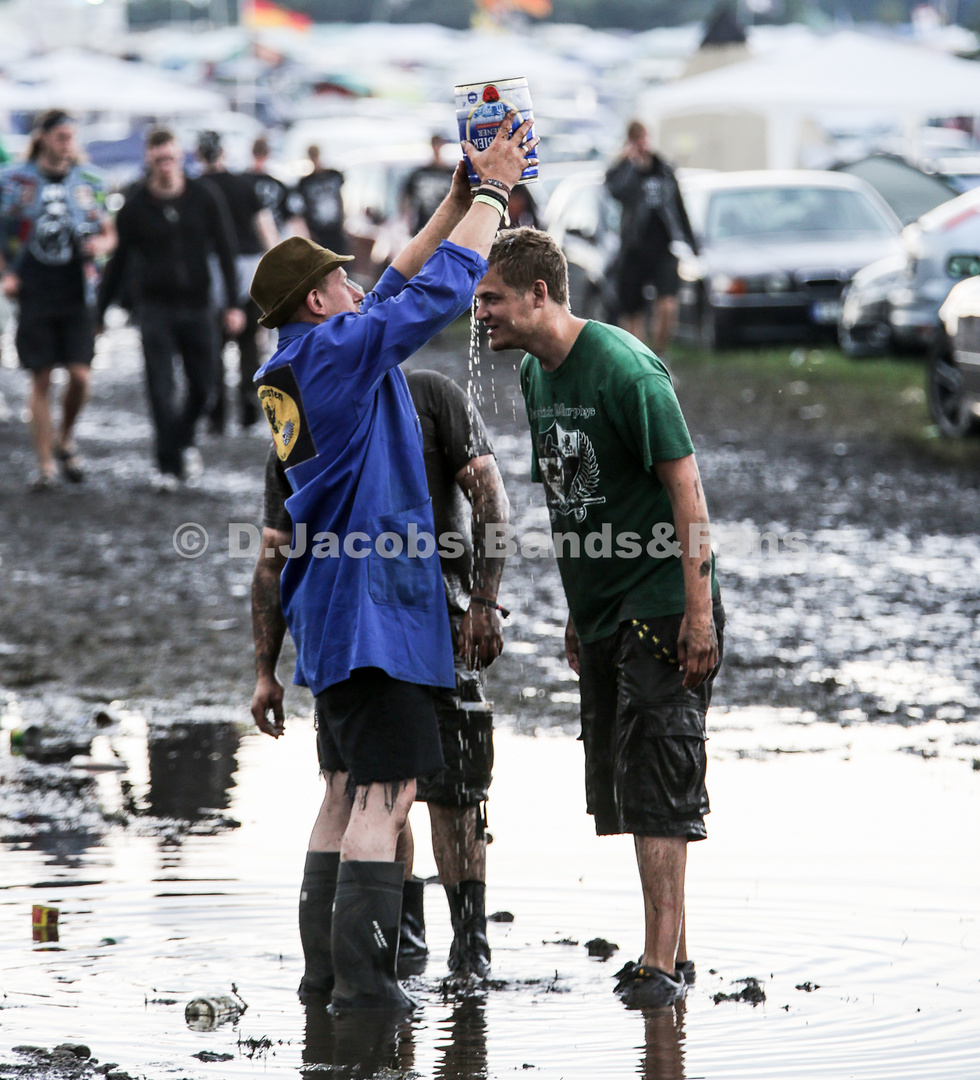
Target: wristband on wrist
(497,184)
(493,193)
(488,201)
(490,603)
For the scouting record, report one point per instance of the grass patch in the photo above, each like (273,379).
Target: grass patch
(819,391)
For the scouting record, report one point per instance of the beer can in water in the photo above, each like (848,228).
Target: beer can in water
(481,106)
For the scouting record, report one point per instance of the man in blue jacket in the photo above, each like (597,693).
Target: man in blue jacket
(365,602)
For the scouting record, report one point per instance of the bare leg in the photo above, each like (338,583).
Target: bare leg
(42,430)
(379,814)
(76,394)
(332,820)
(664,323)
(662,862)
(636,324)
(682,940)
(459,854)
(405,849)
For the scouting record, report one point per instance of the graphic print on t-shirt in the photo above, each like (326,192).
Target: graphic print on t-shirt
(282,404)
(570,471)
(52,242)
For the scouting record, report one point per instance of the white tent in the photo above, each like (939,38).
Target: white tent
(90,82)
(780,95)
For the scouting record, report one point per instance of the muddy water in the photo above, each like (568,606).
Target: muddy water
(834,860)
(842,850)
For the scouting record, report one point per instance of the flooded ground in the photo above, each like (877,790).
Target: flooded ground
(840,869)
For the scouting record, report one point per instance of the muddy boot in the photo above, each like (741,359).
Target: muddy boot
(412,949)
(470,951)
(366,918)
(315,917)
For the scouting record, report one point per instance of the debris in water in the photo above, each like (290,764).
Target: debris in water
(560,941)
(207,1013)
(212,1055)
(751,992)
(600,947)
(809,987)
(500,916)
(44,923)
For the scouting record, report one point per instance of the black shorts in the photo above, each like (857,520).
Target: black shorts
(644,732)
(466,731)
(377,729)
(59,339)
(637,271)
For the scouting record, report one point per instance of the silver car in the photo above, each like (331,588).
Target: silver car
(954,364)
(896,303)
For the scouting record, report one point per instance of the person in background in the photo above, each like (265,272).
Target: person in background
(467,494)
(645,625)
(272,193)
(653,218)
(316,205)
(370,624)
(54,225)
(427,186)
(170,223)
(521,209)
(255,232)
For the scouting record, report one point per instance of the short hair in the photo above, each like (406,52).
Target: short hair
(159,136)
(635,130)
(313,152)
(260,148)
(523,256)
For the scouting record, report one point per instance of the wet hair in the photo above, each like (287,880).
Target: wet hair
(635,130)
(313,152)
(209,146)
(260,148)
(46,122)
(524,256)
(159,136)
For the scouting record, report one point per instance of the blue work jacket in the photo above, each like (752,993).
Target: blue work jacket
(364,586)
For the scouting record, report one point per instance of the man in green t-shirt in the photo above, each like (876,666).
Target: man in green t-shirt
(630,531)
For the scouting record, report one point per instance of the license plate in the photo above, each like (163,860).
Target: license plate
(826,311)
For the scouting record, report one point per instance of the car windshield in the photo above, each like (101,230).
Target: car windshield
(766,213)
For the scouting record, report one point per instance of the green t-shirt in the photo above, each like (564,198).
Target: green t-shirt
(599,422)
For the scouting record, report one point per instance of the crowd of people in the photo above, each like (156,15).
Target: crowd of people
(392,643)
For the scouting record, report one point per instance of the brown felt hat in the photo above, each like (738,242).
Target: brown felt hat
(286,273)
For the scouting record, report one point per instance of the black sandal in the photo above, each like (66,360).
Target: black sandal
(71,465)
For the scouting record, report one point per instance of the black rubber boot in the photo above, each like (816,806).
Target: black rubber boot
(470,951)
(412,949)
(366,919)
(316,899)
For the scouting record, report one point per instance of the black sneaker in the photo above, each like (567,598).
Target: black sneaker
(641,987)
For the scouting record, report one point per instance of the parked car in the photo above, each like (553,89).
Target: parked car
(583,218)
(909,191)
(953,384)
(896,304)
(775,252)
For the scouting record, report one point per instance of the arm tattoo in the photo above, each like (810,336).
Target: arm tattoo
(268,623)
(485,490)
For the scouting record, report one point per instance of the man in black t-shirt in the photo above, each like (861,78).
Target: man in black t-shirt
(271,191)
(467,494)
(427,186)
(653,218)
(54,224)
(317,207)
(169,224)
(255,233)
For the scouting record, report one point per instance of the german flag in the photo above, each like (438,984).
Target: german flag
(264,15)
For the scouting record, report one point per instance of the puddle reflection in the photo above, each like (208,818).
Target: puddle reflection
(663,1051)
(357,1044)
(192,768)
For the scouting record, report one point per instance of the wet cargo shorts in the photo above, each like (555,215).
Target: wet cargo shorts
(643,732)
(466,732)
